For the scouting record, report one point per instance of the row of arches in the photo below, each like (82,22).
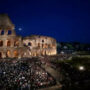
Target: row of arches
(9,54)
(45,45)
(41,53)
(9,32)
(8,43)
(41,45)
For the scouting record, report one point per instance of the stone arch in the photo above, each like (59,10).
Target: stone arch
(42,41)
(22,54)
(45,52)
(49,45)
(8,53)
(9,32)
(42,52)
(53,45)
(16,43)
(46,46)
(2,32)
(8,43)
(42,45)
(0,55)
(49,53)
(34,54)
(39,45)
(15,53)
(1,43)
(29,44)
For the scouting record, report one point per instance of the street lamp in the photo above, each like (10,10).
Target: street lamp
(81,68)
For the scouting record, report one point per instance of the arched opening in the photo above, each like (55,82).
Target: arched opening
(16,43)
(15,53)
(53,45)
(29,44)
(42,40)
(34,54)
(49,45)
(9,32)
(39,45)
(8,54)
(46,46)
(1,43)
(8,43)
(25,44)
(42,45)
(0,55)
(37,54)
(42,53)
(45,52)
(2,32)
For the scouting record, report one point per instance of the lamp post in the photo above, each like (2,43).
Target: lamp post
(81,68)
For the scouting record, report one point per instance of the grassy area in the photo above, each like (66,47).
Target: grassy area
(83,52)
(76,62)
(80,61)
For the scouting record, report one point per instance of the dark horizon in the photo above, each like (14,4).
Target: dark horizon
(66,21)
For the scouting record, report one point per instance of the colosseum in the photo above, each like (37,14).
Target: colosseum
(14,46)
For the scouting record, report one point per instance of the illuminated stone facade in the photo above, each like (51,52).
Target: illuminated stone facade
(13,46)
(40,45)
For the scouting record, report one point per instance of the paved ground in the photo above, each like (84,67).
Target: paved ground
(52,71)
(56,75)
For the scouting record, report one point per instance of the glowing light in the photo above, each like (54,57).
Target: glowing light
(81,68)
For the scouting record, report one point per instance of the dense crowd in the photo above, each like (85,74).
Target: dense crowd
(23,75)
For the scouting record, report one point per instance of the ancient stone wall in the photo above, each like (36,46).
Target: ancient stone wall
(10,44)
(13,46)
(40,45)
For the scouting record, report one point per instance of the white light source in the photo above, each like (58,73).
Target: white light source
(81,68)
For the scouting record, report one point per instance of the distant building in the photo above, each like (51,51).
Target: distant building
(13,46)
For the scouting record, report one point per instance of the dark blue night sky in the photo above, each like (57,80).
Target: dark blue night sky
(65,20)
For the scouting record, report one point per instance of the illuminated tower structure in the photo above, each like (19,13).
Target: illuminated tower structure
(10,45)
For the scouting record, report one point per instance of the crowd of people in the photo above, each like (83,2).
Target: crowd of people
(23,75)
